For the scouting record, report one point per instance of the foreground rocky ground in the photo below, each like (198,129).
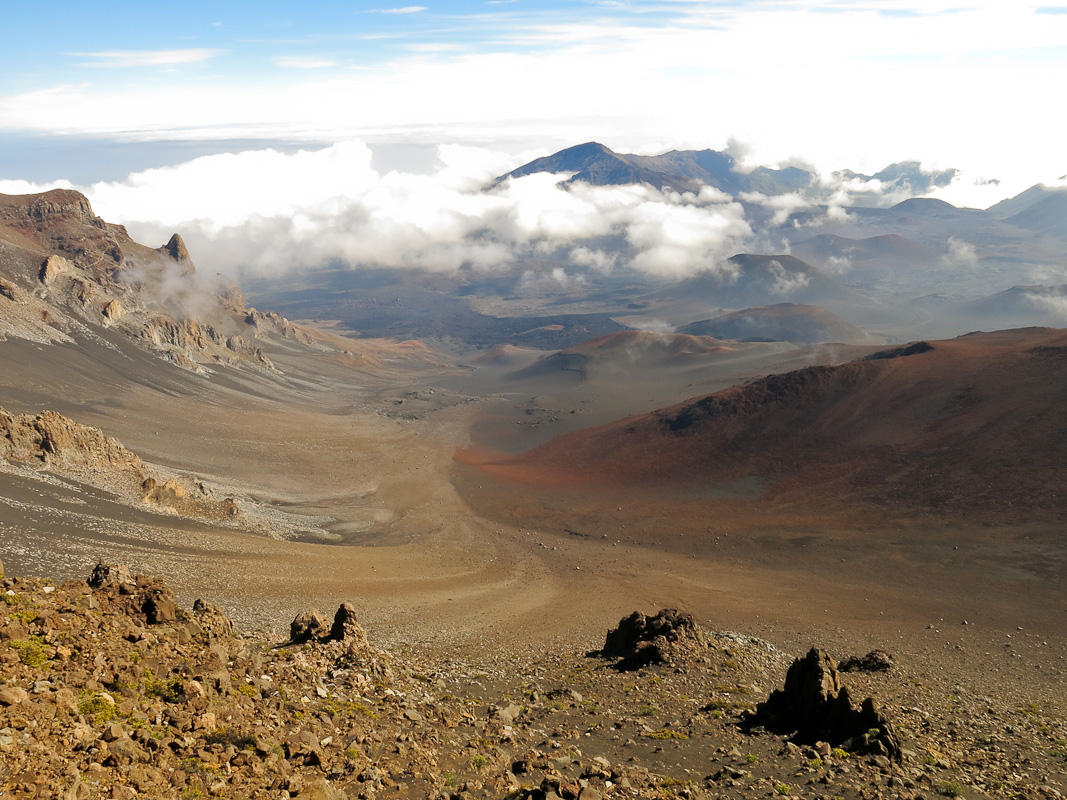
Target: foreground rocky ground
(109,690)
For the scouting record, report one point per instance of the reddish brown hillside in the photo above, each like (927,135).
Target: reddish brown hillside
(969,424)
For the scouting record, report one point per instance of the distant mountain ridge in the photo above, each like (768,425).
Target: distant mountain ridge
(680,170)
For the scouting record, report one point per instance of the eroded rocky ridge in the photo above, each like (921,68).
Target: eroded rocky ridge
(66,274)
(54,442)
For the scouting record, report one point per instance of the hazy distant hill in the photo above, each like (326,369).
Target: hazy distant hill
(681,170)
(819,250)
(1048,215)
(1024,200)
(1021,306)
(796,323)
(633,352)
(747,280)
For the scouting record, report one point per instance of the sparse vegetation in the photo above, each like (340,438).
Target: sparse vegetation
(97,708)
(667,733)
(32,652)
(169,691)
(949,789)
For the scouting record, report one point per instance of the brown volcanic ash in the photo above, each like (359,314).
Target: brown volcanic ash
(969,424)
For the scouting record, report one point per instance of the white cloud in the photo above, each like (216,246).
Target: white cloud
(931,79)
(28,187)
(597,260)
(960,253)
(785,283)
(782,204)
(838,265)
(275,212)
(401,10)
(1053,304)
(145,58)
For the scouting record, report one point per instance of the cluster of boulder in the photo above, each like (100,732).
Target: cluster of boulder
(110,690)
(640,641)
(814,707)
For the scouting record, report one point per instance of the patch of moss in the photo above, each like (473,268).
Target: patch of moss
(168,691)
(33,652)
(97,708)
(666,733)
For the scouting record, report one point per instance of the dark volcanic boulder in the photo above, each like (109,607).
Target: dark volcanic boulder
(135,595)
(814,707)
(345,636)
(874,661)
(112,577)
(309,626)
(640,640)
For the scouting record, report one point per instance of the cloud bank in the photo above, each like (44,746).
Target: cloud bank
(268,212)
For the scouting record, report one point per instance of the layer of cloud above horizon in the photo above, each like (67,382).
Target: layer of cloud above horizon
(840,84)
(271,212)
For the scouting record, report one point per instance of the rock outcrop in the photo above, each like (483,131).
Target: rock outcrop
(640,640)
(52,268)
(874,661)
(54,440)
(134,595)
(814,707)
(94,274)
(344,635)
(112,311)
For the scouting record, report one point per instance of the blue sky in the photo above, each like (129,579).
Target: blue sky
(101,90)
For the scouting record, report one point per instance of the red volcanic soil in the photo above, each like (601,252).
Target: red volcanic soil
(968,425)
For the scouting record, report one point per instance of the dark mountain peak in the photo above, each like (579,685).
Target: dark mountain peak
(676,170)
(587,149)
(573,159)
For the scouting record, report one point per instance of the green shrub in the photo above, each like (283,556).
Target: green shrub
(226,736)
(167,691)
(32,652)
(96,707)
(949,789)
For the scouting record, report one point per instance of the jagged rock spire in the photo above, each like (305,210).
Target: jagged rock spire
(176,249)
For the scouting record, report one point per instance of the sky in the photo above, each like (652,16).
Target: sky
(112,97)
